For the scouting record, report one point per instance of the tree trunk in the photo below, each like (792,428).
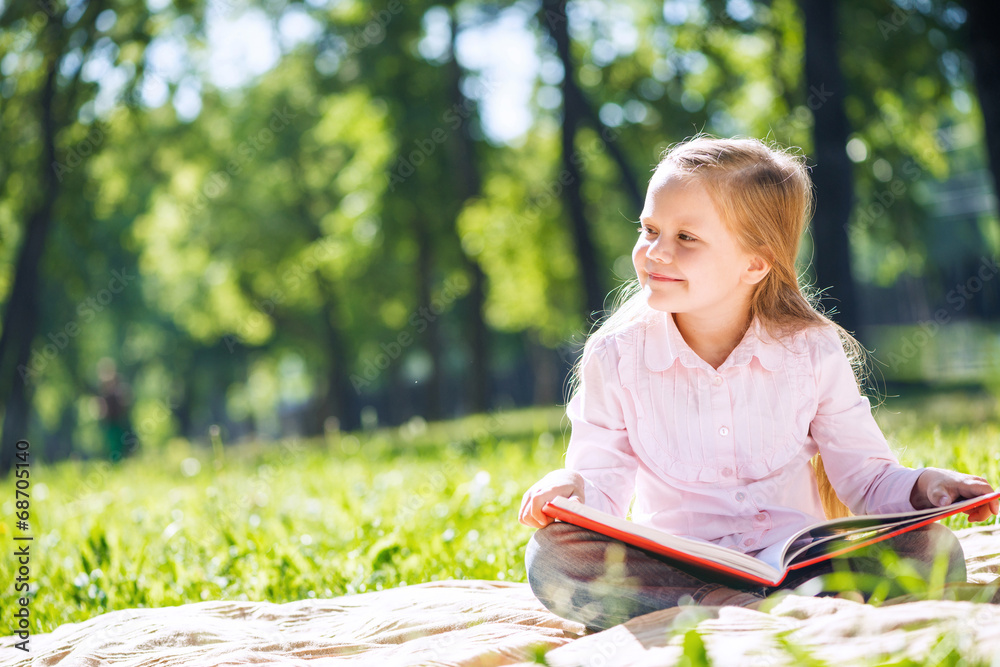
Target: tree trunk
(425,280)
(469,185)
(555,20)
(479,345)
(984,50)
(636,192)
(339,399)
(21,317)
(545,389)
(182,413)
(399,402)
(832,175)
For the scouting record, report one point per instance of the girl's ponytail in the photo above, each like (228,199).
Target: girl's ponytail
(833,508)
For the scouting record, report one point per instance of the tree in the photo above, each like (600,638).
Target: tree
(574,107)
(832,171)
(915,127)
(45,120)
(20,320)
(469,185)
(262,236)
(985,55)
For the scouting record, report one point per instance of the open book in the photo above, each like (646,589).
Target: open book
(770,565)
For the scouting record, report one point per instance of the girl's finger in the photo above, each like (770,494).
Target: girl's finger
(980,513)
(526,514)
(536,512)
(984,512)
(976,486)
(940,495)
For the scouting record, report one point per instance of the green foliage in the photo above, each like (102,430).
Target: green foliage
(695,653)
(530,281)
(302,220)
(251,230)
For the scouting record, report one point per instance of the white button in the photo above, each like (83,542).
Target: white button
(761,517)
(717,380)
(748,542)
(723,431)
(740,496)
(727,472)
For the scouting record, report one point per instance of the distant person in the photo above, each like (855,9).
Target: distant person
(114,401)
(707,394)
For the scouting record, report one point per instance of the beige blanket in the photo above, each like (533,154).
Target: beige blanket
(480,623)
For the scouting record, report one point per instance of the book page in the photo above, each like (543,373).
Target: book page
(840,534)
(774,554)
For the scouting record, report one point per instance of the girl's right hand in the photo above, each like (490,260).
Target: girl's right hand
(562,482)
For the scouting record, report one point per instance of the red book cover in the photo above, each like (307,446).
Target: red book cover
(811,545)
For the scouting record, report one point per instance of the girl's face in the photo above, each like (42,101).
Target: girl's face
(686,259)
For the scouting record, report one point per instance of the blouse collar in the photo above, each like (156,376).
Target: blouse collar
(664,344)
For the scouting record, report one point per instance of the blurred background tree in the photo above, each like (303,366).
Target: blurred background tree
(283,217)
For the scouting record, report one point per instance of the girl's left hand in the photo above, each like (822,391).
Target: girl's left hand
(936,488)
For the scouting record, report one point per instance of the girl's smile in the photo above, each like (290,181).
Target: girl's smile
(666,279)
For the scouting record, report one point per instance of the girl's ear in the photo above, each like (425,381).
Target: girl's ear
(756,270)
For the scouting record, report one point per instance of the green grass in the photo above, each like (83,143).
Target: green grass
(281,522)
(295,519)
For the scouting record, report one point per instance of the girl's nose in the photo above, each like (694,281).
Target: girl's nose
(660,249)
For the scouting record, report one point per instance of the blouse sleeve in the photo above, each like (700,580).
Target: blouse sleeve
(864,472)
(599,447)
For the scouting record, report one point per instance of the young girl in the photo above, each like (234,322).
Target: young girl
(708,393)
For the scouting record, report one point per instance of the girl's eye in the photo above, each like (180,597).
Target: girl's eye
(649,231)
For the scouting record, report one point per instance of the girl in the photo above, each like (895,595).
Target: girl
(707,394)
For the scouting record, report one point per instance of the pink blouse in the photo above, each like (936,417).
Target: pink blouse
(723,455)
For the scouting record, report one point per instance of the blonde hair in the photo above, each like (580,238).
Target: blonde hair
(764,196)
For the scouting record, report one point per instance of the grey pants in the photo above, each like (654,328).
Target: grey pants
(599,581)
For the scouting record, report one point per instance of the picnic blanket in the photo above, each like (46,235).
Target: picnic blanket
(487,623)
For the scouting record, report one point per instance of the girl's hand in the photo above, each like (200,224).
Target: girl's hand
(936,488)
(562,482)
